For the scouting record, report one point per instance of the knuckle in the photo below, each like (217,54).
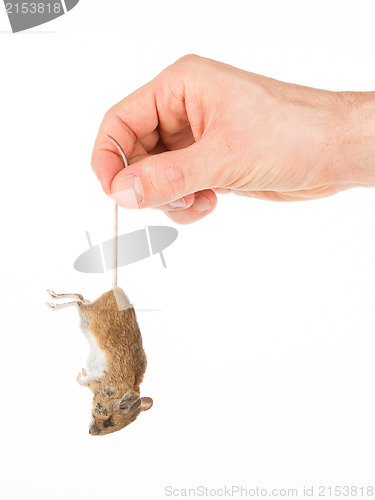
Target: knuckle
(186,66)
(188,58)
(187,61)
(109,116)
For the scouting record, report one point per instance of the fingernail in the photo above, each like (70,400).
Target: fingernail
(129,193)
(201,204)
(180,203)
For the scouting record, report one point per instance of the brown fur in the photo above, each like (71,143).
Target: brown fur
(116,401)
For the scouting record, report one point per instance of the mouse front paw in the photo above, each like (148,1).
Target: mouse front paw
(82,377)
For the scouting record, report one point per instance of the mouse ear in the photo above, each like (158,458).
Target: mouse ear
(146,404)
(129,405)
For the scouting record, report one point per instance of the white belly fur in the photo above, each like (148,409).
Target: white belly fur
(97,360)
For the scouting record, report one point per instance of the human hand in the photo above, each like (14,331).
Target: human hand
(202,127)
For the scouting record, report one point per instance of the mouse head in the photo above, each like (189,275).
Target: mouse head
(108,418)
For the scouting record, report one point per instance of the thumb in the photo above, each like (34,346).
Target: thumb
(162,178)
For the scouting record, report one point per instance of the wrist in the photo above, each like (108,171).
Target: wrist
(355,139)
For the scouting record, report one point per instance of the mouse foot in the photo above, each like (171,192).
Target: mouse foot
(82,373)
(54,295)
(61,306)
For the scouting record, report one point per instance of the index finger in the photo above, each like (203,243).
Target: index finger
(129,121)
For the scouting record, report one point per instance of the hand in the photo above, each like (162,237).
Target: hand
(202,127)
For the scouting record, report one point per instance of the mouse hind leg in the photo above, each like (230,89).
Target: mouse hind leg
(62,306)
(80,300)
(77,296)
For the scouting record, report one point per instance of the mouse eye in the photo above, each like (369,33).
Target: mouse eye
(108,423)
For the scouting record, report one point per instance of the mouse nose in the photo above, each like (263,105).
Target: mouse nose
(89,431)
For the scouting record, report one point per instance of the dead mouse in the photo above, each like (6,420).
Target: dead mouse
(117,361)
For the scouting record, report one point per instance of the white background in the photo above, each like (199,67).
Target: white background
(261,360)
